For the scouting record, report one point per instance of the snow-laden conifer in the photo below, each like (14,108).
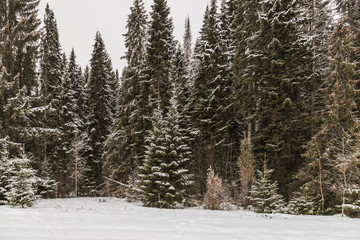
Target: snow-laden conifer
(123,150)
(22,183)
(264,196)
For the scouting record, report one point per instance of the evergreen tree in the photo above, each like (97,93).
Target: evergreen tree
(22,183)
(99,118)
(160,51)
(318,18)
(5,174)
(264,197)
(18,48)
(67,127)
(51,74)
(275,59)
(164,178)
(339,134)
(152,178)
(187,46)
(211,100)
(123,148)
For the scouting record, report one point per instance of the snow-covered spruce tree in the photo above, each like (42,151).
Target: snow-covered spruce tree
(99,118)
(187,45)
(51,73)
(177,153)
(150,172)
(5,172)
(246,164)
(214,190)
(278,55)
(164,178)
(22,184)
(123,148)
(160,50)
(209,99)
(338,138)
(302,204)
(155,81)
(248,60)
(318,24)
(67,127)
(264,196)
(19,36)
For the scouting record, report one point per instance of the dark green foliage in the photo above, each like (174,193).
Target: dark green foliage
(160,51)
(273,64)
(99,118)
(264,196)
(330,153)
(164,178)
(123,149)
(22,182)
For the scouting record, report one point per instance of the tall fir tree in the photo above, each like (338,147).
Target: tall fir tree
(164,177)
(187,45)
(99,119)
(51,74)
(276,116)
(160,51)
(19,37)
(211,98)
(152,178)
(339,132)
(123,148)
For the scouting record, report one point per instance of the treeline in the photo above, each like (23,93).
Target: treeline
(268,85)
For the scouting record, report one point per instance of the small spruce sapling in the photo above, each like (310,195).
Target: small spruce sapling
(264,197)
(22,182)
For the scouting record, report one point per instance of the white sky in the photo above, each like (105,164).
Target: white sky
(78,21)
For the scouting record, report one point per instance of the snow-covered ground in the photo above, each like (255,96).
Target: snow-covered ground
(87,219)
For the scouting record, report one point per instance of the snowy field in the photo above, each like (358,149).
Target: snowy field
(87,219)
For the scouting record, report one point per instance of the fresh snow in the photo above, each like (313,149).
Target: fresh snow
(91,218)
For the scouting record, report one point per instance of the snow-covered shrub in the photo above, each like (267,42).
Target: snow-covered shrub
(301,204)
(214,193)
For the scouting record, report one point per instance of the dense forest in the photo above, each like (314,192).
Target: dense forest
(261,111)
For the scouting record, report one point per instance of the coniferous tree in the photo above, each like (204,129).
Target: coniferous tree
(152,178)
(264,196)
(156,77)
(160,51)
(20,33)
(276,116)
(51,74)
(22,183)
(99,118)
(339,135)
(210,102)
(123,148)
(318,22)
(5,173)
(67,128)
(164,178)
(187,46)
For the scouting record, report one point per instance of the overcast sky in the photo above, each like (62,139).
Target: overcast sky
(78,21)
